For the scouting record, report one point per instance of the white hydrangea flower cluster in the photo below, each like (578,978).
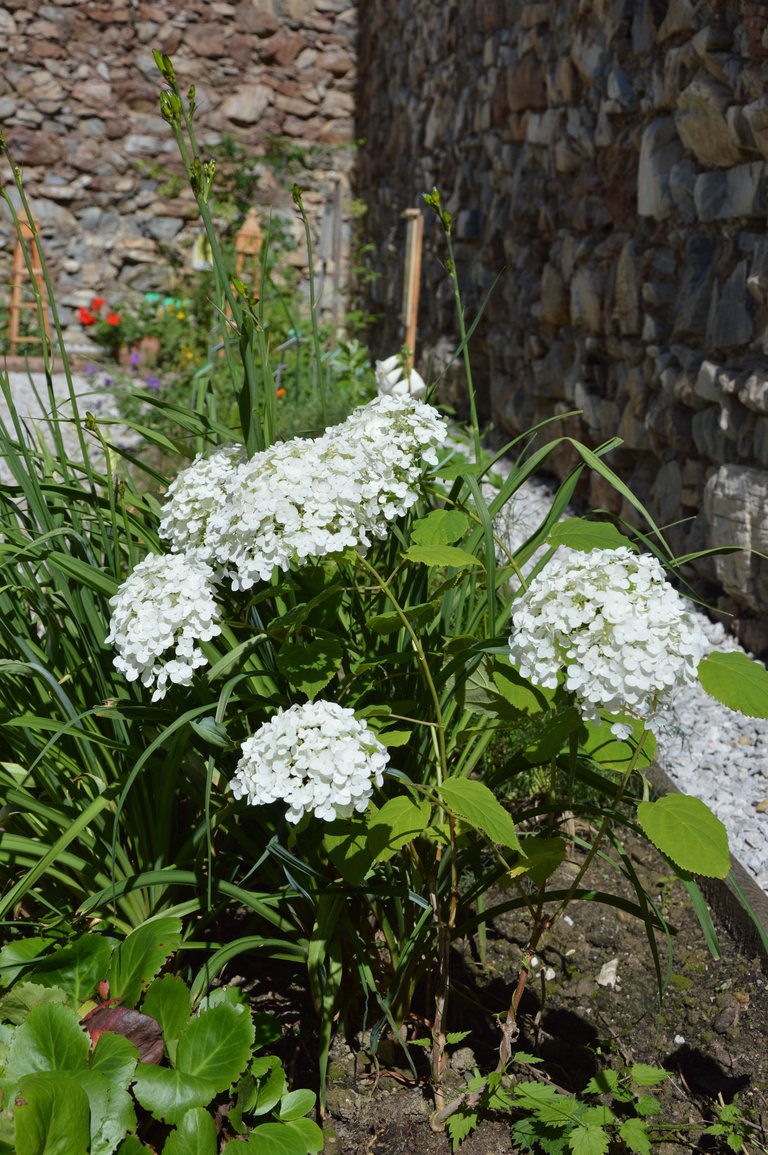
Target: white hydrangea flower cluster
(230,517)
(305,499)
(192,496)
(394,380)
(317,757)
(167,603)
(613,624)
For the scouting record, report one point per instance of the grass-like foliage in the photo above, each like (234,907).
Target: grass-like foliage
(276,684)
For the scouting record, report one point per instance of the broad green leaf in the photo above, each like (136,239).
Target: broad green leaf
(393,738)
(474,802)
(635,1136)
(16,1005)
(50,1039)
(647,1076)
(647,1105)
(309,1133)
(194,1135)
(446,555)
(169,1094)
(132,1146)
(53,1119)
(217,1045)
(400,820)
(610,751)
(76,969)
(295,1104)
(440,527)
(138,959)
(737,681)
(460,1125)
(583,535)
(309,667)
(685,829)
(588,1140)
(520,693)
(546,1103)
(116,1057)
(111,1111)
(555,732)
(167,1000)
(390,623)
(268,1139)
(346,844)
(15,957)
(542,858)
(604,1081)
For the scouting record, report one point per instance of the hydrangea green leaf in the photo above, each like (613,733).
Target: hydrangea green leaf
(169,1094)
(447,555)
(310,666)
(583,535)
(685,830)
(737,681)
(473,801)
(399,821)
(542,858)
(440,527)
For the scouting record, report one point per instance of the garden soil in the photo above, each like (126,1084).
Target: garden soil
(710,1030)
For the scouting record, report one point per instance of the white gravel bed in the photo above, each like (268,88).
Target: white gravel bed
(712,752)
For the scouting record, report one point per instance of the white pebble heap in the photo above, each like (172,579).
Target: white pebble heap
(317,757)
(609,621)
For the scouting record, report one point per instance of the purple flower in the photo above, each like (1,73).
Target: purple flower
(90,370)
(135,359)
(107,380)
(153,382)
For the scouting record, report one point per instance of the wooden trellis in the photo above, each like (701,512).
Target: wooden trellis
(20,278)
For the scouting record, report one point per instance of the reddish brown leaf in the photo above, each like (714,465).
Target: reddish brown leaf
(143,1031)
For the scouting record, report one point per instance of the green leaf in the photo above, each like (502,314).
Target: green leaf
(50,1039)
(548,1105)
(111,1111)
(76,969)
(309,667)
(15,957)
(647,1076)
(685,829)
(446,555)
(604,1081)
(553,735)
(460,1125)
(138,959)
(647,1105)
(295,1104)
(309,1133)
(474,802)
(195,1135)
(737,681)
(115,1057)
(16,1005)
(53,1119)
(440,527)
(169,1094)
(390,623)
(610,751)
(167,1000)
(542,858)
(635,1135)
(217,1045)
(269,1139)
(583,535)
(211,732)
(520,693)
(588,1140)
(399,821)
(346,844)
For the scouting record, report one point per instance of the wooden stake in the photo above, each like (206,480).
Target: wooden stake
(412,284)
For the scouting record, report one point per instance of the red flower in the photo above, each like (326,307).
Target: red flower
(84,317)
(97,303)
(113,318)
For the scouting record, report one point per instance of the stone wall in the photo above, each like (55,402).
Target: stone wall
(79,109)
(611,156)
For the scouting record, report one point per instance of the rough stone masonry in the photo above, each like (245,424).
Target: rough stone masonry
(610,157)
